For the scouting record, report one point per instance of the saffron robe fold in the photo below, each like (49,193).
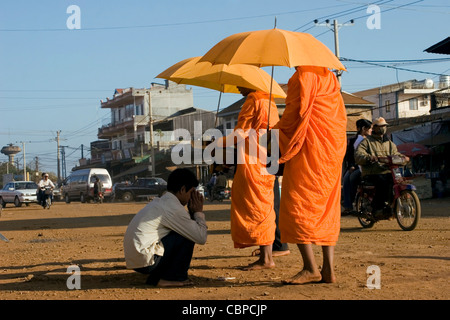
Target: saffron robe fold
(312,144)
(252,198)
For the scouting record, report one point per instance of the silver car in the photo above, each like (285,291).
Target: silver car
(18,192)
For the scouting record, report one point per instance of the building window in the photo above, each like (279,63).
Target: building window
(413,104)
(139,110)
(387,104)
(129,109)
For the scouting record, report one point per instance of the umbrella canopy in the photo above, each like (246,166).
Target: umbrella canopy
(273,47)
(413,149)
(221,77)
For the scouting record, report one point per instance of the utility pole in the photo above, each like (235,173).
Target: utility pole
(24,163)
(152,149)
(58,156)
(335,28)
(63,162)
(24,160)
(36,161)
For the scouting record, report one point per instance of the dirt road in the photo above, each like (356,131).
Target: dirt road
(43,244)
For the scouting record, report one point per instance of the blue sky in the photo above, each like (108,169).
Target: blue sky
(53,78)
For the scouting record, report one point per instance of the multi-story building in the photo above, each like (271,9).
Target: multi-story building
(357,108)
(402,100)
(124,142)
(131,110)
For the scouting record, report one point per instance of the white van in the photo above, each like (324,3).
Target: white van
(79,184)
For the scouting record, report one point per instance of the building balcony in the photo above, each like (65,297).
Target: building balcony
(117,128)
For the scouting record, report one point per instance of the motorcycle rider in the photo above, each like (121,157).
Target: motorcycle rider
(45,182)
(352,175)
(366,155)
(210,185)
(98,185)
(221,183)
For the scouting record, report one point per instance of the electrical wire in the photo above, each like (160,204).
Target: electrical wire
(391,67)
(168,24)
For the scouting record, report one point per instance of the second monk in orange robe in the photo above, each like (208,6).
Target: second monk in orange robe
(252,197)
(312,144)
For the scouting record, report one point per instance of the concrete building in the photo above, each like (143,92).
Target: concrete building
(183,119)
(124,141)
(131,110)
(356,107)
(406,99)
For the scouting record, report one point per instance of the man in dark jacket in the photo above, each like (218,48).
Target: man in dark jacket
(367,154)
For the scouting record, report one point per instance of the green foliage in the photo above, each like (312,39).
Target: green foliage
(5,168)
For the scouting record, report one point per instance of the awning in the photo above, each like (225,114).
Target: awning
(442,47)
(438,139)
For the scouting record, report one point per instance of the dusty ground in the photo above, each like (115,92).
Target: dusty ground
(44,243)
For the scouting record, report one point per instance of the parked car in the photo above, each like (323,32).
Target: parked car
(142,188)
(79,184)
(18,192)
(57,193)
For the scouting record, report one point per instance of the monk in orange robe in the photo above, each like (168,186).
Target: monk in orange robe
(252,197)
(312,133)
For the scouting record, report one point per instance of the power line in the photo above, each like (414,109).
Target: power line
(391,67)
(394,8)
(336,15)
(168,24)
(367,14)
(410,61)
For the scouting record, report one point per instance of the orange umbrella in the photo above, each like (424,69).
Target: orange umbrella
(273,47)
(221,77)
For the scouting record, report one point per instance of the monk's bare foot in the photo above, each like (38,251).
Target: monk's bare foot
(259,265)
(303,277)
(280,253)
(328,277)
(167,284)
(257,252)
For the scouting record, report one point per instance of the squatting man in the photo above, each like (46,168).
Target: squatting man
(160,239)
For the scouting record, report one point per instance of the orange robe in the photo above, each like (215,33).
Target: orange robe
(252,209)
(312,145)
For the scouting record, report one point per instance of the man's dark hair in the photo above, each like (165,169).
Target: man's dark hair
(179,178)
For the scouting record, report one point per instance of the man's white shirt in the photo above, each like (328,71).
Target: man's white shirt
(144,233)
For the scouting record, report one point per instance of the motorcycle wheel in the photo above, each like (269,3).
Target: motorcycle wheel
(363,208)
(408,210)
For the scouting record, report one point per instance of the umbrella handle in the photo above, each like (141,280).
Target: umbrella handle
(218,104)
(271,81)
(270,99)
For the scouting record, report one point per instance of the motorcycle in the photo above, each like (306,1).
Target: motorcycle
(405,205)
(99,197)
(217,194)
(47,193)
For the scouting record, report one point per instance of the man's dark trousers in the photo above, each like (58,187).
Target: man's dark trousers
(383,189)
(174,264)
